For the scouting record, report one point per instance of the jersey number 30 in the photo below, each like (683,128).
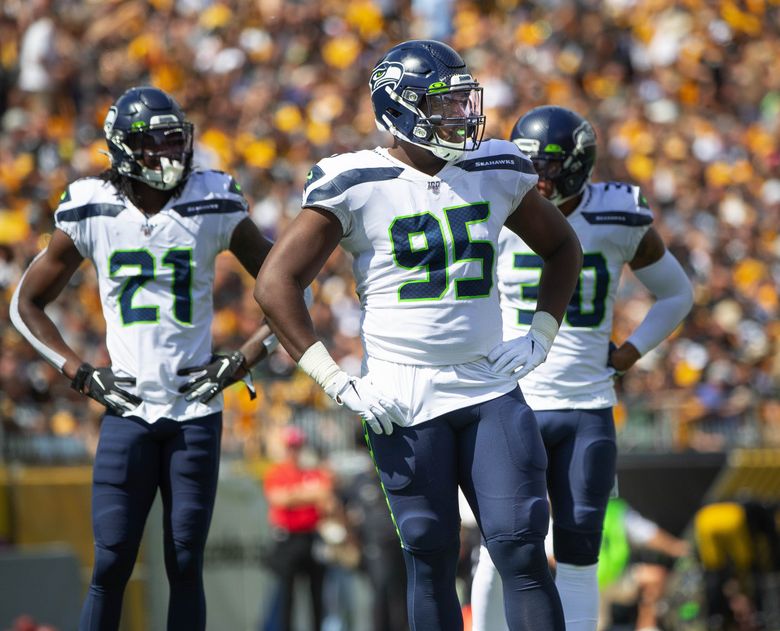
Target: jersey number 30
(577,312)
(419,242)
(179,259)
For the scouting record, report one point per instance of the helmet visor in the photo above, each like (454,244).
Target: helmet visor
(456,115)
(547,169)
(149,146)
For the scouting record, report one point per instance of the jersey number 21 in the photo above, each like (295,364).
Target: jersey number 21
(179,259)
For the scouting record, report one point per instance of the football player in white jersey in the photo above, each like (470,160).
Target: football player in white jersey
(573,393)
(439,393)
(152,226)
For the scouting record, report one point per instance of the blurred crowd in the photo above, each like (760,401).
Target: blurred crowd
(685,97)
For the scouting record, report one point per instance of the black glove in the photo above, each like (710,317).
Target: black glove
(102,385)
(215,377)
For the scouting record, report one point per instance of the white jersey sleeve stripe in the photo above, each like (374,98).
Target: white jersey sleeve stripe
(49,354)
(347,180)
(89,210)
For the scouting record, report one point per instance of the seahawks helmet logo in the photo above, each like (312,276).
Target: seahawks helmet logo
(108,125)
(388,73)
(584,136)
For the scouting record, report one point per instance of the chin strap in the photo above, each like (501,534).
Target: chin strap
(168,178)
(445,153)
(558,200)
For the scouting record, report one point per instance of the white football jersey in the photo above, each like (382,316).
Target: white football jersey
(156,278)
(610,222)
(425,253)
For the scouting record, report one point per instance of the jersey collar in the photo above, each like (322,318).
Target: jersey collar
(409,170)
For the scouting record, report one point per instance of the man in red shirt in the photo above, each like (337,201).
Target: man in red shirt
(297,498)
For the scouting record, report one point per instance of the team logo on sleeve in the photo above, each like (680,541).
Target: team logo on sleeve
(235,187)
(312,176)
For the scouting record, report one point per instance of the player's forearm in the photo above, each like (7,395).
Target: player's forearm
(294,262)
(667,281)
(256,349)
(39,330)
(283,303)
(559,278)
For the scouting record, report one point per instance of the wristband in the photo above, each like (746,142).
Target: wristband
(319,365)
(546,325)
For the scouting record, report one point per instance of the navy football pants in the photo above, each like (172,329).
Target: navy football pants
(133,460)
(494,451)
(582,454)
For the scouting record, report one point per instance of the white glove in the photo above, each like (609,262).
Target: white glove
(363,398)
(359,395)
(520,356)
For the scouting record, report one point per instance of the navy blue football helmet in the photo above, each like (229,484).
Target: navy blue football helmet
(562,147)
(423,93)
(149,138)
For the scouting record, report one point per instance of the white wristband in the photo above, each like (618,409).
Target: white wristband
(546,325)
(319,365)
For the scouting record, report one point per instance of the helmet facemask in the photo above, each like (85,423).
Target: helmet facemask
(158,154)
(451,121)
(551,169)
(162,154)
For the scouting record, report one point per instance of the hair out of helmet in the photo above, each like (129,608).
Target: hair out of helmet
(149,138)
(423,93)
(562,147)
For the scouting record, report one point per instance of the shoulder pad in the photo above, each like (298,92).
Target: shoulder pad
(494,155)
(232,186)
(617,203)
(332,177)
(88,197)
(212,181)
(210,192)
